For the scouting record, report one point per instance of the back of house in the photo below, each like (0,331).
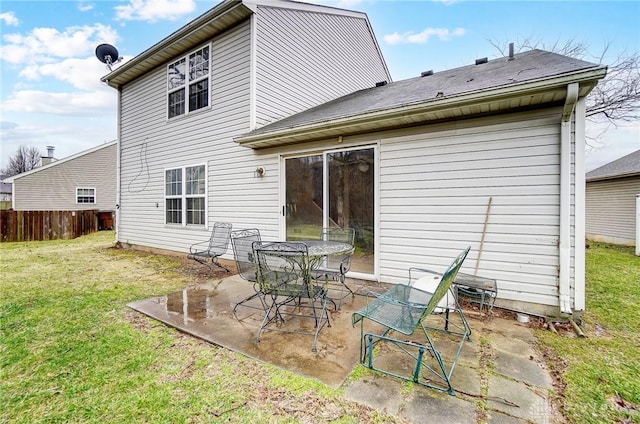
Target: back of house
(282,116)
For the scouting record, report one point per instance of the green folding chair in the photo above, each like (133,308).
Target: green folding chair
(399,313)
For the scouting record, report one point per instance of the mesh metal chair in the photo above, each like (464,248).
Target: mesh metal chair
(284,280)
(242,243)
(335,268)
(403,309)
(208,252)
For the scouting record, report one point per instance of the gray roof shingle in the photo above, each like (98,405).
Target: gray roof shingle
(527,66)
(626,166)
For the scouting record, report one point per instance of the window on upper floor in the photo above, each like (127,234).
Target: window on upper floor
(185,195)
(188,83)
(85,195)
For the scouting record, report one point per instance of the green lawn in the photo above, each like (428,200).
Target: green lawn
(601,372)
(71,351)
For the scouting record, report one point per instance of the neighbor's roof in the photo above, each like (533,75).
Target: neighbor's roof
(61,161)
(626,166)
(536,76)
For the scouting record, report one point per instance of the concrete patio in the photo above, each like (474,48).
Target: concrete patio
(500,377)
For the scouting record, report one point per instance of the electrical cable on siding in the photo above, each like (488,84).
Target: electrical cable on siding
(144,166)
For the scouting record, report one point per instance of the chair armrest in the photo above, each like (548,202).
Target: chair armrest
(199,247)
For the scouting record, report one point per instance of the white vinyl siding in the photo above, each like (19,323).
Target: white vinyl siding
(435,189)
(54,187)
(611,210)
(307,58)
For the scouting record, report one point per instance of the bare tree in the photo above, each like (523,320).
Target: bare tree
(25,159)
(616,98)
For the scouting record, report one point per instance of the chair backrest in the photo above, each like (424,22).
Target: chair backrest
(340,264)
(280,262)
(220,236)
(242,243)
(445,282)
(343,235)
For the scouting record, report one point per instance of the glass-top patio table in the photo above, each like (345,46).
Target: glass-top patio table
(320,248)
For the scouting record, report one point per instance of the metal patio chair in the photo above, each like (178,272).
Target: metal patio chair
(403,309)
(242,243)
(289,294)
(208,252)
(335,268)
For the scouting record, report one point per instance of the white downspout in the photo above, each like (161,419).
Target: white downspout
(580,207)
(565,199)
(118,163)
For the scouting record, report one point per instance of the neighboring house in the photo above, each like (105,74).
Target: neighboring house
(612,192)
(292,123)
(86,180)
(5,193)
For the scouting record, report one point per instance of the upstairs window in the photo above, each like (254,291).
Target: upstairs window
(188,83)
(85,195)
(185,195)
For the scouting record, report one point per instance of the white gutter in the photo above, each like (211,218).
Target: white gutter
(580,207)
(565,198)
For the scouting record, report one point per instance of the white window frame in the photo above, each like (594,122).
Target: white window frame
(78,196)
(183,196)
(177,82)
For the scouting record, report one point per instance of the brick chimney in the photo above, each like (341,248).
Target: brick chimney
(45,160)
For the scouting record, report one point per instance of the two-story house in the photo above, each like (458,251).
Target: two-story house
(282,116)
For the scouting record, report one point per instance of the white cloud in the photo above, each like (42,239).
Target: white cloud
(83,74)
(154,10)
(47,44)
(444,34)
(612,143)
(93,103)
(9,18)
(85,7)
(68,135)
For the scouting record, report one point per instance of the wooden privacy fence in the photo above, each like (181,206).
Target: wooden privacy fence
(46,225)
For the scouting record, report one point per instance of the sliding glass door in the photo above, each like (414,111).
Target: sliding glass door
(333,189)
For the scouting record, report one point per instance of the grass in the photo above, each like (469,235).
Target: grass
(601,373)
(72,351)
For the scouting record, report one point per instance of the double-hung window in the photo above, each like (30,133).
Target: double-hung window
(185,195)
(85,195)
(188,83)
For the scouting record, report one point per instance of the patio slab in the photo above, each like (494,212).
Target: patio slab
(491,377)
(206,311)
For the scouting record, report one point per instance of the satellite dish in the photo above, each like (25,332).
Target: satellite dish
(107,54)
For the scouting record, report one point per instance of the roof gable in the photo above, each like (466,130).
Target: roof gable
(61,161)
(217,20)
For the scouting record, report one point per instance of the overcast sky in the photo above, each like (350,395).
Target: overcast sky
(52,94)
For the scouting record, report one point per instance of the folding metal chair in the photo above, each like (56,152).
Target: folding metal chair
(335,268)
(284,281)
(208,252)
(242,243)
